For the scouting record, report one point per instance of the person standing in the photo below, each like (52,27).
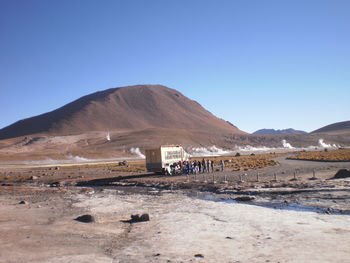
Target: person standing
(208,166)
(187,167)
(203,166)
(212,166)
(222,164)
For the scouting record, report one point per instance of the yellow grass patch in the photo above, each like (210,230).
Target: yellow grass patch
(339,155)
(245,162)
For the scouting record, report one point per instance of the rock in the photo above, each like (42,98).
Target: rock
(198,256)
(55,184)
(328,211)
(137,218)
(144,217)
(123,163)
(23,202)
(33,177)
(342,173)
(244,198)
(85,219)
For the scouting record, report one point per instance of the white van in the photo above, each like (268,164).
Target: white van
(160,159)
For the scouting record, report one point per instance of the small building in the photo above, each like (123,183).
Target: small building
(159,160)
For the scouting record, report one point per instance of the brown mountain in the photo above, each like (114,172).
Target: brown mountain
(273,131)
(335,128)
(126,109)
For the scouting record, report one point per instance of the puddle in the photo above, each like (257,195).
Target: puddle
(301,206)
(285,201)
(130,190)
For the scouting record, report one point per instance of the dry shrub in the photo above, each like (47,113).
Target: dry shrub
(339,155)
(245,162)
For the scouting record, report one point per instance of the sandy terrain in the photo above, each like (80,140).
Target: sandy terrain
(180,228)
(190,220)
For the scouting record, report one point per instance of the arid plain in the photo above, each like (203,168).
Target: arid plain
(291,212)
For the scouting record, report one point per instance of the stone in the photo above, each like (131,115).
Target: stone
(144,217)
(85,219)
(123,163)
(137,218)
(244,198)
(342,173)
(198,256)
(55,184)
(22,202)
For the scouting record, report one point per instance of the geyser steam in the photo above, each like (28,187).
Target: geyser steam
(321,143)
(137,152)
(287,144)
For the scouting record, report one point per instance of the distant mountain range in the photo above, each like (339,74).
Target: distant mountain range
(273,131)
(335,128)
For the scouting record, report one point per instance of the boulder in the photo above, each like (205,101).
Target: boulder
(342,173)
(244,198)
(137,218)
(123,163)
(85,219)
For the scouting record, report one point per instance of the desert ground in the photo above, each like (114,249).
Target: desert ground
(281,211)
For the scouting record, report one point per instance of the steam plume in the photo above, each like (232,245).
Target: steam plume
(287,144)
(321,143)
(137,152)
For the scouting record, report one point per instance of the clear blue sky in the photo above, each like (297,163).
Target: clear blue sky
(258,64)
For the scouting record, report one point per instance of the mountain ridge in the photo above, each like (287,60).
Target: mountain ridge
(125,108)
(282,131)
(334,128)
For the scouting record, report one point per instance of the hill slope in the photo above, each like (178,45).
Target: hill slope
(273,131)
(125,109)
(335,128)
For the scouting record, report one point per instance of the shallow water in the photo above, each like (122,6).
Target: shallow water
(300,206)
(315,205)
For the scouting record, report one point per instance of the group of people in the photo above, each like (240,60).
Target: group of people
(195,167)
